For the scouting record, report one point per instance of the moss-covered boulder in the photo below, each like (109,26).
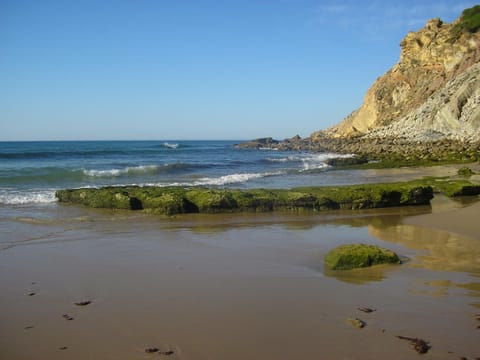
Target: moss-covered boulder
(465,171)
(354,256)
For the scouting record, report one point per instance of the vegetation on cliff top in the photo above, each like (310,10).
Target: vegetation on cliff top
(469,21)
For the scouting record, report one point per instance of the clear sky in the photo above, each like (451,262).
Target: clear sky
(180,69)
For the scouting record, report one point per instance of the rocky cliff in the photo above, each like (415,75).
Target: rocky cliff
(431,94)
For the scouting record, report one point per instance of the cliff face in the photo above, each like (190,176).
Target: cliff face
(432,93)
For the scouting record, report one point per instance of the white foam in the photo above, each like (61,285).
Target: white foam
(170,145)
(218,181)
(309,161)
(319,161)
(234,178)
(285,159)
(31,197)
(119,172)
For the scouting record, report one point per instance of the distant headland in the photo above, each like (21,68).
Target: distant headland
(427,106)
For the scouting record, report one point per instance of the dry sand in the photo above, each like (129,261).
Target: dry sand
(238,287)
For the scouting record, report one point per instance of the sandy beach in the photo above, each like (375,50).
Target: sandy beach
(244,286)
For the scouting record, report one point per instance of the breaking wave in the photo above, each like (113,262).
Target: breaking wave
(235,178)
(170,145)
(8,197)
(308,162)
(138,170)
(220,180)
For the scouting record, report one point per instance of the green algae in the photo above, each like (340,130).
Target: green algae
(454,188)
(465,171)
(178,200)
(108,197)
(393,161)
(181,200)
(370,196)
(211,200)
(347,257)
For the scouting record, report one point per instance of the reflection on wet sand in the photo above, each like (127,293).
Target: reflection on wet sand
(444,251)
(305,220)
(441,250)
(361,276)
(438,288)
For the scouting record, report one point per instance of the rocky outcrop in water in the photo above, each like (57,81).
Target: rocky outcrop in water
(177,200)
(259,143)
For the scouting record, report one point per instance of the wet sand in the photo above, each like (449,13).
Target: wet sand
(242,286)
(465,222)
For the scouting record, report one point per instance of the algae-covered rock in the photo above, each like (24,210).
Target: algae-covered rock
(261,200)
(465,171)
(211,200)
(108,198)
(179,200)
(354,256)
(168,204)
(371,196)
(347,161)
(453,188)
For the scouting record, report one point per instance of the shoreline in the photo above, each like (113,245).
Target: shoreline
(391,151)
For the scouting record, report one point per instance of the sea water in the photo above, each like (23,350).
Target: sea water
(31,172)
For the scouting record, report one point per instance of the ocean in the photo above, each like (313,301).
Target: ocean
(31,172)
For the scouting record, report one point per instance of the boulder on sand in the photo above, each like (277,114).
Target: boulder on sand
(354,256)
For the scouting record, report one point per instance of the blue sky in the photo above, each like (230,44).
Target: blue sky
(179,69)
